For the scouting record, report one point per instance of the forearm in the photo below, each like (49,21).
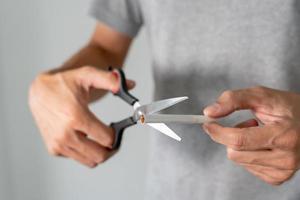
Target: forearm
(105,48)
(91,55)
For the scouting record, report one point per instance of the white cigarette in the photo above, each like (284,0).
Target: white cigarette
(186,119)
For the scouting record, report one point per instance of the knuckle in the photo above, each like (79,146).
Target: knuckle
(54,149)
(274,183)
(259,88)
(87,69)
(92,165)
(228,95)
(289,174)
(101,158)
(36,86)
(289,140)
(285,176)
(63,138)
(239,142)
(74,120)
(86,163)
(263,92)
(291,163)
(231,154)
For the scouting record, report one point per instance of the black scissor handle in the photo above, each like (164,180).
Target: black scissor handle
(123,90)
(123,93)
(119,128)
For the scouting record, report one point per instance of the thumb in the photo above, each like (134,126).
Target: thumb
(234,100)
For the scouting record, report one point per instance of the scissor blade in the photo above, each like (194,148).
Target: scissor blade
(159,105)
(165,130)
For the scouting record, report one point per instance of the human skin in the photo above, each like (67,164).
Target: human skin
(59,102)
(59,99)
(270,151)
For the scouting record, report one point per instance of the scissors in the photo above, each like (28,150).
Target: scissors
(146,114)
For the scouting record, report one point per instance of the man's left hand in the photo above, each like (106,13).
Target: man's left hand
(271,151)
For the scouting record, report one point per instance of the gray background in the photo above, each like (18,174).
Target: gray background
(36,35)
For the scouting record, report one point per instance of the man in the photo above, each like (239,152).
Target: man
(200,48)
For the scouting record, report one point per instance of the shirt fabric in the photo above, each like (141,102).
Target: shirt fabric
(201,48)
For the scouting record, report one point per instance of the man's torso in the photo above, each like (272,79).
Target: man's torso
(201,48)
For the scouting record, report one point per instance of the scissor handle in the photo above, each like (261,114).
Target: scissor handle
(119,128)
(123,93)
(123,90)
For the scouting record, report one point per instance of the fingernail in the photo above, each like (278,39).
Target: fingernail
(116,75)
(204,126)
(212,109)
(115,87)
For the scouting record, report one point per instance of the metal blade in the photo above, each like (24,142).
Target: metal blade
(165,130)
(159,105)
(186,119)
(136,105)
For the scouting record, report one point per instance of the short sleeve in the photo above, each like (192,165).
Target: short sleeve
(122,15)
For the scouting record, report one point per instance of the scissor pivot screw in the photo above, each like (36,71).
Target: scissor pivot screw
(142,119)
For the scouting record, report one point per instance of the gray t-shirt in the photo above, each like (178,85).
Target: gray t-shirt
(201,48)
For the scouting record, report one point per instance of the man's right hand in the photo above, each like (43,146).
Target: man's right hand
(59,103)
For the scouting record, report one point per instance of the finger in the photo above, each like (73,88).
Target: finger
(90,149)
(91,77)
(129,83)
(95,129)
(247,124)
(72,153)
(263,177)
(97,93)
(277,176)
(233,100)
(253,138)
(263,157)
(269,158)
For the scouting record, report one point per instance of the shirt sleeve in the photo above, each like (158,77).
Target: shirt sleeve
(122,15)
